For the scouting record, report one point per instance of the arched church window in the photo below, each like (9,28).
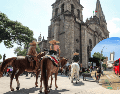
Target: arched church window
(77,40)
(90,43)
(88,51)
(62,8)
(72,8)
(78,13)
(95,40)
(56,11)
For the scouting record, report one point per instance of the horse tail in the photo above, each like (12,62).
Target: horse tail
(5,63)
(44,74)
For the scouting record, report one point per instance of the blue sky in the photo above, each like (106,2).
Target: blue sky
(36,14)
(110,45)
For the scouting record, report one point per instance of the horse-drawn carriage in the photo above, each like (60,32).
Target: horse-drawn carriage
(86,75)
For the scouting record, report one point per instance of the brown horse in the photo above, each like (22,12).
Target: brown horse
(47,69)
(19,66)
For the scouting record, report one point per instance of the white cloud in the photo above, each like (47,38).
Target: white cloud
(113,28)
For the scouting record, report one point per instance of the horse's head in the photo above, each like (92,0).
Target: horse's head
(40,55)
(63,61)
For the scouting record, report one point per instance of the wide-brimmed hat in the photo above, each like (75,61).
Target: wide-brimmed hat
(53,41)
(33,43)
(76,53)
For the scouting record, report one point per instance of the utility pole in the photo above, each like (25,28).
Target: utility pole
(101,57)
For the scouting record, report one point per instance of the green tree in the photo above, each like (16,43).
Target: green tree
(97,55)
(13,32)
(0,56)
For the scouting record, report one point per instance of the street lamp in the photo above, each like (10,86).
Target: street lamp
(100,57)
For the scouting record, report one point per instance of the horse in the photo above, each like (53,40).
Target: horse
(47,69)
(19,66)
(75,71)
(64,70)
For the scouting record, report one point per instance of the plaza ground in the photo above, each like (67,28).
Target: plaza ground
(27,86)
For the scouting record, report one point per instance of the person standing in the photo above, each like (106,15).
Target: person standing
(4,57)
(91,69)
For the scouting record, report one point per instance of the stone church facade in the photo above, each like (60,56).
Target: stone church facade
(67,26)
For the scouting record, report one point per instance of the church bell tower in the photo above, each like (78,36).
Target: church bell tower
(64,27)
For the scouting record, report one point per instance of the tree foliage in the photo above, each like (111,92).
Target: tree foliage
(99,56)
(0,56)
(13,32)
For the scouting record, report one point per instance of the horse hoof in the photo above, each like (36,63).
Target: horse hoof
(36,85)
(49,86)
(12,89)
(76,82)
(40,91)
(71,81)
(48,91)
(17,88)
(56,86)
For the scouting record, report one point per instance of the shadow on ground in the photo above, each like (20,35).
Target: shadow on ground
(55,91)
(79,83)
(23,91)
(33,89)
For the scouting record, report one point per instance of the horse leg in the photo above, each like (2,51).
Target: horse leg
(69,74)
(16,76)
(72,74)
(51,81)
(76,78)
(31,74)
(61,71)
(37,73)
(78,75)
(12,76)
(56,79)
(41,83)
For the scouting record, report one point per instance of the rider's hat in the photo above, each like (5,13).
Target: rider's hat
(76,53)
(53,41)
(33,43)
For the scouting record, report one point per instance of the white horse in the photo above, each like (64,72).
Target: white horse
(75,71)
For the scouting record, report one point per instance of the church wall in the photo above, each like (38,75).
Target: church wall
(69,37)
(52,30)
(62,44)
(84,46)
(76,36)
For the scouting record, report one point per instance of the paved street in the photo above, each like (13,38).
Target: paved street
(27,86)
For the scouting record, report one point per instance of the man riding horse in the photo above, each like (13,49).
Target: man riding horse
(53,49)
(32,52)
(76,57)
